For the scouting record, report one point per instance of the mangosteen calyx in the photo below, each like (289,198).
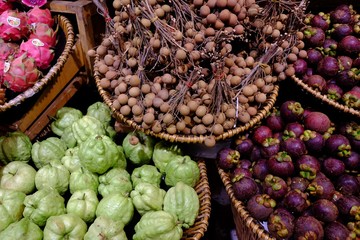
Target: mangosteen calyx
(273,181)
(270,142)
(280,227)
(315,189)
(354,228)
(266,201)
(283,157)
(296,108)
(355,211)
(238,177)
(344,150)
(307,135)
(307,172)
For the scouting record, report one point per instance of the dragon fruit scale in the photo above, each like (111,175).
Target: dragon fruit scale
(5,5)
(37,15)
(38,50)
(13,25)
(44,33)
(8,49)
(21,74)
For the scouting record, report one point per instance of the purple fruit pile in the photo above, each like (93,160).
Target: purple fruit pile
(331,64)
(299,172)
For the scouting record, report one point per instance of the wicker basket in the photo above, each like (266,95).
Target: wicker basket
(200,226)
(317,94)
(202,188)
(65,28)
(247,228)
(106,96)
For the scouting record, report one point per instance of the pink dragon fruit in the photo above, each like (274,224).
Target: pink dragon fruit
(44,33)
(13,25)
(5,5)
(38,15)
(8,49)
(36,49)
(22,73)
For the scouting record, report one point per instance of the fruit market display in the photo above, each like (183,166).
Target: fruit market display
(78,183)
(196,67)
(27,41)
(331,61)
(298,173)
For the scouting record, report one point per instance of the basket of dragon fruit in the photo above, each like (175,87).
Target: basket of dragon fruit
(34,46)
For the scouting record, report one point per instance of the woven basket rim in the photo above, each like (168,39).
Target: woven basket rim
(269,103)
(252,224)
(202,188)
(317,94)
(67,28)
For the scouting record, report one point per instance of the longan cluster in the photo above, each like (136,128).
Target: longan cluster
(192,67)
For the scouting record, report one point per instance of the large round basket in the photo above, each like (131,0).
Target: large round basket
(247,228)
(200,226)
(262,112)
(202,188)
(317,94)
(66,31)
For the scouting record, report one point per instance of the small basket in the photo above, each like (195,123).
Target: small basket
(106,96)
(200,226)
(67,29)
(247,228)
(317,94)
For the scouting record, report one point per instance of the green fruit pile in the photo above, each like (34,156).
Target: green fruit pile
(79,183)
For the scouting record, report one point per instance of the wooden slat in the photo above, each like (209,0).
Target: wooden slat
(83,9)
(65,95)
(70,69)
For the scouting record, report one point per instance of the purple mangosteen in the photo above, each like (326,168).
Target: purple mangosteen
(345,62)
(317,121)
(260,206)
(321,187)
(308,227)
(260,169)
(244,146)
(324,210)
(316,81)
(333,167)
(341,14)
(244,187)
(349,45)
(239,172)
(294,147)
(281,164)
(349,206)
(308,166)
(294,129)
(352,99)
(333,91)
(314,56)
(244,163)
(335,231)
(320,20)
(328,66)
(300,66)
(255,153)
(352,163)
(338,145)
(228,158)
(296,201)
(274,186)
(341,30)
(275,122)
(291,111)
(313,141)
(281,224)
(329,47)
(299,183)
(348,185)
(261,133)
(270,147)
(314,36)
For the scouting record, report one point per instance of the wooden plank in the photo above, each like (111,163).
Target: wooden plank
(46,116)
(83,9)
(70,69)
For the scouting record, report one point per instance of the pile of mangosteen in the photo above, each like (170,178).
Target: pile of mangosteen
(298,172)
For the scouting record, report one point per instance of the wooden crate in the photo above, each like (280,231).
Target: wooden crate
(75,73)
